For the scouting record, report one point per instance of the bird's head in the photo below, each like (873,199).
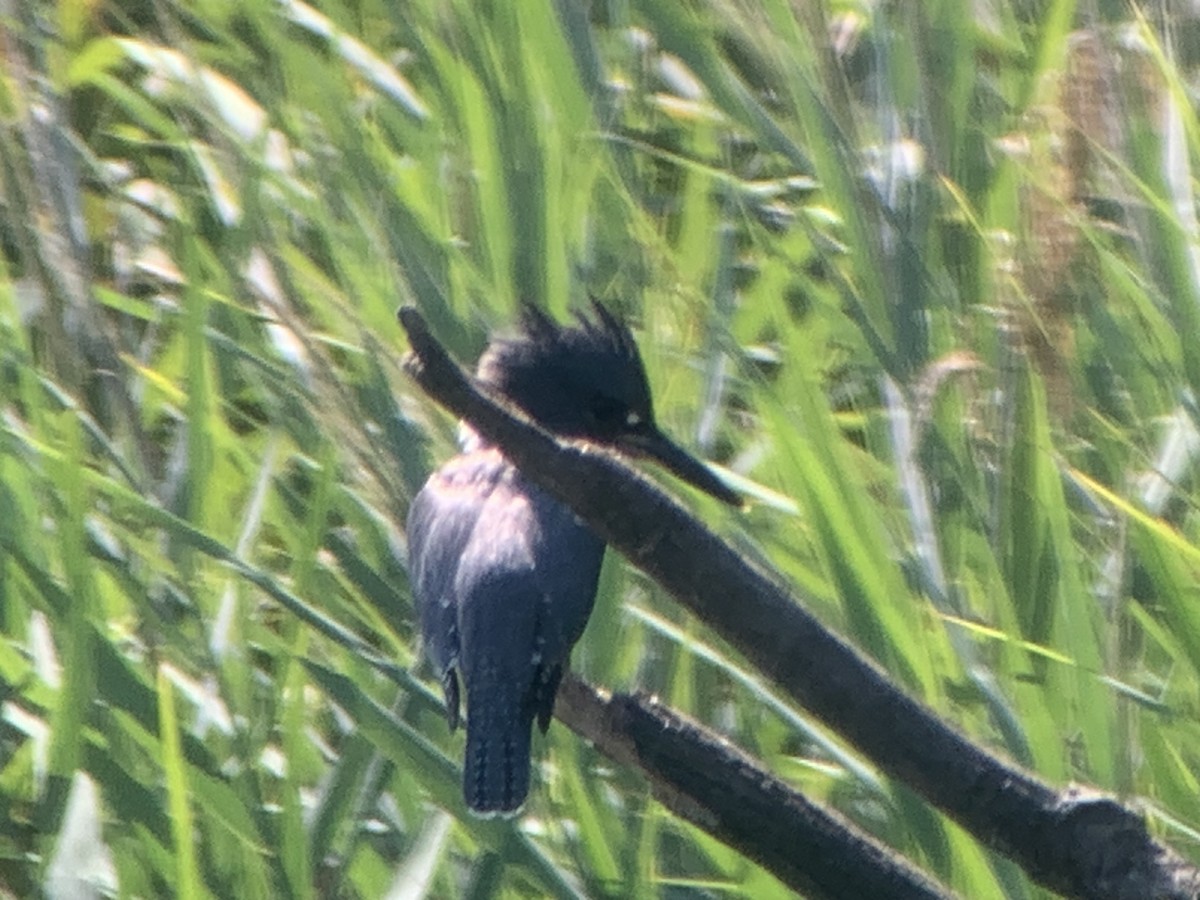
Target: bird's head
(587,380)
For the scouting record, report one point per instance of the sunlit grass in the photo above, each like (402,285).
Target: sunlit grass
(819,228)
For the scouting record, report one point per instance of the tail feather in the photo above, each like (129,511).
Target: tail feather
(496,768)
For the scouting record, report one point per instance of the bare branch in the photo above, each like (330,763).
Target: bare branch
(713,785)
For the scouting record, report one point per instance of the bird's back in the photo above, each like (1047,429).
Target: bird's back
(505,578)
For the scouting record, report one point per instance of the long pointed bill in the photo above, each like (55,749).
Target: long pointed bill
(657,446)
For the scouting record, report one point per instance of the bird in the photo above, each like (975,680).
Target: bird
(504,575)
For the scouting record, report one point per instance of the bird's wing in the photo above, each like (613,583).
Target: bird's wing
(526,584)
(440,522)
(568,569)
(504,578)
(567,565)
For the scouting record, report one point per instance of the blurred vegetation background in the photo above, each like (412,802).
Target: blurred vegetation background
(923,277)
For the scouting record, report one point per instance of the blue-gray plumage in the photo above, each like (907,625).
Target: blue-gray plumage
(505,575)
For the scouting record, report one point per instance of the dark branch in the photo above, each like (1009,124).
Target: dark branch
(1053,836)
(713,785)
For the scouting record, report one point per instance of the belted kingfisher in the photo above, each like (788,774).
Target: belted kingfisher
(504,574)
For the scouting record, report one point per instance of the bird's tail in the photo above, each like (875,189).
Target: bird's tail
(496,768)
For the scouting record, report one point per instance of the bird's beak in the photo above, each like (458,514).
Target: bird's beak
(653,444)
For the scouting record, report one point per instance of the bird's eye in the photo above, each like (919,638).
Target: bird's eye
(607,411)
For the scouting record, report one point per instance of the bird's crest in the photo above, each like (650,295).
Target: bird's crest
(602,330)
